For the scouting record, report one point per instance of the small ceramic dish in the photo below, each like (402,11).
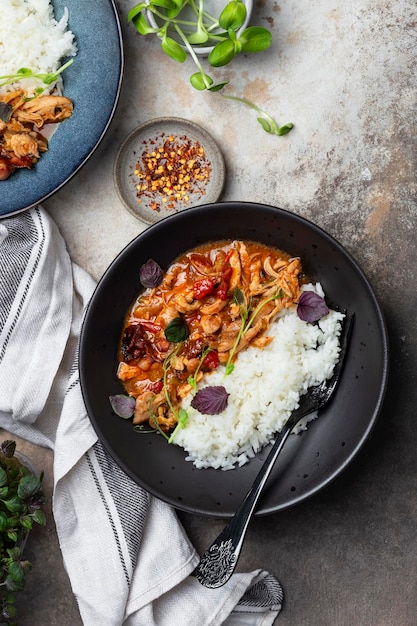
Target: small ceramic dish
(166,165)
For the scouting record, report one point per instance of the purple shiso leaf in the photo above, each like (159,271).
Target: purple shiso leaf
(150,274)
(123,406)
(311,307)
(210,400)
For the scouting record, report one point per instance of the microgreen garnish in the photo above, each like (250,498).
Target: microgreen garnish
(122,405)
(150,274)
(181,416)
(311,307)
(244,309)
(192,380)
(210,400)
(177,330)
(266,121)
(25,72)
(182,421)
(223,32)
(157,426)
(140,428)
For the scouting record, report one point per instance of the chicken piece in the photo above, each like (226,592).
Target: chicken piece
(166,421)
(185,303)
(211,323)
(147,405)
(261,342)
(228,336)
(289,281)
(21,144)
(213,306)
(44,110)
(126,372)
(236,266)
(279,266)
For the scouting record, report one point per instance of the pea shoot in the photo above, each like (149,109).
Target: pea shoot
(25,72)
(246,323)
(183,24)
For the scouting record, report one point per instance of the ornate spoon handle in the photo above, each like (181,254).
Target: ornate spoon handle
(218,562)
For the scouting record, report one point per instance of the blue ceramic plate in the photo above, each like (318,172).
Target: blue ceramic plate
(92,82)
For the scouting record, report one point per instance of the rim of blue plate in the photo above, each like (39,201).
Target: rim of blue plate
(99,66)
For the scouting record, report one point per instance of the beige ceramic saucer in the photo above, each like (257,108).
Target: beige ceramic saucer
(166,165)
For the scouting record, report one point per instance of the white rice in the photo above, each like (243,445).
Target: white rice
(31,37)
(264,389)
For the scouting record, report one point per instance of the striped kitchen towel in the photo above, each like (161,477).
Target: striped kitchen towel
(126,554)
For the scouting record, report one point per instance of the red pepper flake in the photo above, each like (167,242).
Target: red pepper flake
(170,170)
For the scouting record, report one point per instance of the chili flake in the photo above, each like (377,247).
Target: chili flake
(171,169)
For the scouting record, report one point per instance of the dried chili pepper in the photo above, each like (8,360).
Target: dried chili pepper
(202,288)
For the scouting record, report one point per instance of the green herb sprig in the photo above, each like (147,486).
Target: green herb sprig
(246,323)
(266,121)
(21,501)
(25,72)
(224,32)
(192,380)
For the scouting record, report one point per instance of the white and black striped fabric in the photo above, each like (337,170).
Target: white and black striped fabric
(126,554)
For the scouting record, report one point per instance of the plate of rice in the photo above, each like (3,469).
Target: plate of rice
(210,465)
(42,37)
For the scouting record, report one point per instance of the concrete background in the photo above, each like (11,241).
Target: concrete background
(344,73)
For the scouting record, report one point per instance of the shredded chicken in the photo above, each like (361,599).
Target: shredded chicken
(227,295)
(21,123)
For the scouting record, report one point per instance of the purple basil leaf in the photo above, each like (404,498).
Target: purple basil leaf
(150,274)
(123,406)
(210,400)
(311,307)
(8,447)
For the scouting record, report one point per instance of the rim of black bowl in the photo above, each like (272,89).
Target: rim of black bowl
(185,216)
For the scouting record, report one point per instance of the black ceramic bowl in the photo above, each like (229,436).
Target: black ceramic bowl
(308,461)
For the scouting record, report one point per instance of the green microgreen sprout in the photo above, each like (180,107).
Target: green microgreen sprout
(266,121)
(25,72)
(246,323)
(239,298)
(184,24)
(192,380)
(181,416)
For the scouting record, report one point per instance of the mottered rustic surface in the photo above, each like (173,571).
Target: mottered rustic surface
(345,74)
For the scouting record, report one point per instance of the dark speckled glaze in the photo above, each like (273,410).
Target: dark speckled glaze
(308,461)
(92,82)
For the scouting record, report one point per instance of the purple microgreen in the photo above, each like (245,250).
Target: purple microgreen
(8,447)
(123,406)
(177,330)
(311,307)
(150,274)
(210,400)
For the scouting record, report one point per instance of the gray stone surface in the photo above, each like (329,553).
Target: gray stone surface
(345,73)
